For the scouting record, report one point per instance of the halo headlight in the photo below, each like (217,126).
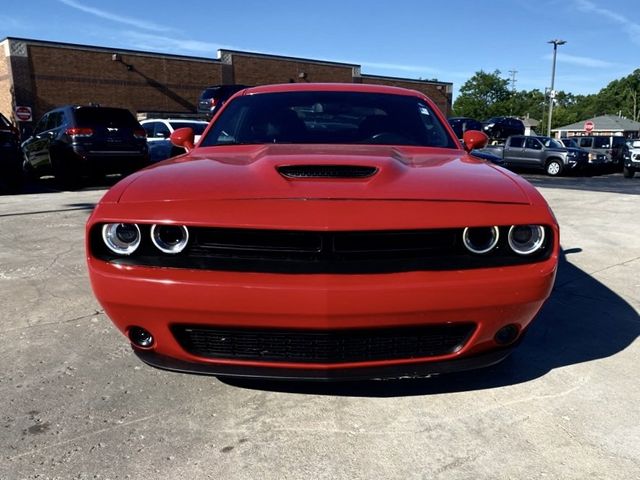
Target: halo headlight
(170,239)
(121,238)
(480,239)
(526,239)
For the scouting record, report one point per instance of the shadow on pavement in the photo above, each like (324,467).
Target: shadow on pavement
(582,321)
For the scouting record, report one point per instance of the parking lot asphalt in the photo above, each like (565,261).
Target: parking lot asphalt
(77,404)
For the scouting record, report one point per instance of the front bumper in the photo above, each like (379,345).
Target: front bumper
(412,370)
(633,163)
(157,299)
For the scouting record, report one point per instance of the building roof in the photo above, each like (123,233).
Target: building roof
(530,122)
(604,122)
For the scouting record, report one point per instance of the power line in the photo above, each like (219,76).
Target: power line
(513,80)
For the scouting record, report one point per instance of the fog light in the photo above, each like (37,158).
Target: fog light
(480,239)
(140,337)
(507,335)
(170,238)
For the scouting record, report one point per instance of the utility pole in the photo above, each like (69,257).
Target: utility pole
(552,93)
(513,88)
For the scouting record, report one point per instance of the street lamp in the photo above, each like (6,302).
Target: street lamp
(552,93)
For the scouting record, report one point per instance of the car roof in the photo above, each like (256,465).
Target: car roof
(331,87)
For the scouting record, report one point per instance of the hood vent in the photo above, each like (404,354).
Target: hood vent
(327,171)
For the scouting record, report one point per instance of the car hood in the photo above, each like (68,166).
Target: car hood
(252,172)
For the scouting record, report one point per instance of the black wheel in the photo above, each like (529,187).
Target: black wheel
(67,177)
(628,172)
(28,171)
(553,168)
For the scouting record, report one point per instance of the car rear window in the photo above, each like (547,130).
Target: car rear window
(329,118)
(209,92)
(100,116)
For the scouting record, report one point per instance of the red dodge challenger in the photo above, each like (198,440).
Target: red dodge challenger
(326,232)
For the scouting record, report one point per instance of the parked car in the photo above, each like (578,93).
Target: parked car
(462,124)
(632,160)
(486,155)
(10,161)
(543,153)
(212,98)
(75,141)
(499,128)
(612,147)
(323,231)
(160,129)
(596,160)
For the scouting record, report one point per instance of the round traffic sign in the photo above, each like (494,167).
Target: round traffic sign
(588,126)
(23,114)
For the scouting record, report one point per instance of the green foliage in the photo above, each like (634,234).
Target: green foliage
(482,96)
(487,94)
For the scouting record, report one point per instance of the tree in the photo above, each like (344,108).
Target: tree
(482,96)
(487,95)
(527,103)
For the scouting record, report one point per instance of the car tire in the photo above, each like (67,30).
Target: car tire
(628,172)
(66,177)
(553,168)
(28,172)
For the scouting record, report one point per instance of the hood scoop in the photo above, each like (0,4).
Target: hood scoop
(326,171)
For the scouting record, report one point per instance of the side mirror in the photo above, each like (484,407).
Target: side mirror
(474,139)
(183,137)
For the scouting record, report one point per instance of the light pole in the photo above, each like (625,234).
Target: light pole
(552,93)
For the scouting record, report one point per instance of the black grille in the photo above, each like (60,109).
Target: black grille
(338,346)
(327,171)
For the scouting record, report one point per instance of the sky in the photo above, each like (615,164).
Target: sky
(425,39)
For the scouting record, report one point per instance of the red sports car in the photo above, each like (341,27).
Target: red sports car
(323,231)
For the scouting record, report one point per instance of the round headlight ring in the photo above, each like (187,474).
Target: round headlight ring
(531,238)
(493,235)
(170,239)
(121,238)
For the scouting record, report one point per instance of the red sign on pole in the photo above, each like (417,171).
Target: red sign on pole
(588,126)
(23,114)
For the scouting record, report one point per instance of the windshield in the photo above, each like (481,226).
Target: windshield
(328,118)
(601,142)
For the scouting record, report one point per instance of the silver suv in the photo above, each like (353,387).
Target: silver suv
(611,146)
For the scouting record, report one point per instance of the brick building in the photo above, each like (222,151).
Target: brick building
(43,75)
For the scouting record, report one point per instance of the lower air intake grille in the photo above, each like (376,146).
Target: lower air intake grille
(338,346)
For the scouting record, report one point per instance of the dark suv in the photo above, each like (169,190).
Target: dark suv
(499,128)
(76,141)
(462,124)
(10,165)
(212,98)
